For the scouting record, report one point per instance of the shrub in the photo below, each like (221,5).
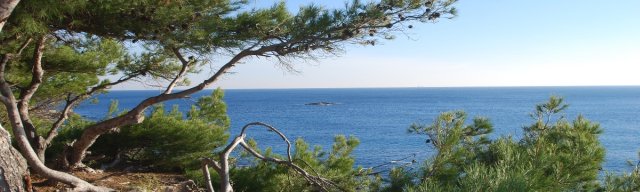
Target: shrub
(165,140)
(553,155)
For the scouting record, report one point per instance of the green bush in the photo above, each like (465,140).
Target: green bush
(171,140)
(553,155)
(266,176)
(164,141)
(622,182)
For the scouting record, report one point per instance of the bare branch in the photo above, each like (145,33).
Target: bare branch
(183,70)
(53,131)
(4,97)
(23,46)
(36,72)
(213,163)
(284,138)
(207,176)
(25,96)
(317,181)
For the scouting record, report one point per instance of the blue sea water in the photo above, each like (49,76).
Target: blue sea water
(379,117)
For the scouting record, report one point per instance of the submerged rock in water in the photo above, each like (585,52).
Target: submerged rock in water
(322,103)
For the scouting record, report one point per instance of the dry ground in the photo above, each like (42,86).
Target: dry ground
(121,181)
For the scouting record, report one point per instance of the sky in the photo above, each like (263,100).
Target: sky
(489,43)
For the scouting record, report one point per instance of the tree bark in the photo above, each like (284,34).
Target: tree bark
(207,176)
(13,167)
(6,7)
(32,157)
(26,94)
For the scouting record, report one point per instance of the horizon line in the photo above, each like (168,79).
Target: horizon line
(399,87)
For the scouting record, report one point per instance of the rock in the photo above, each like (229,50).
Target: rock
(136,189)
(184,186)
(322,103)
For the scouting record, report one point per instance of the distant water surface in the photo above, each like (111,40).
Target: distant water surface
(379,117)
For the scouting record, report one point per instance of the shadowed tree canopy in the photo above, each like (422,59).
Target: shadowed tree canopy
(60,53)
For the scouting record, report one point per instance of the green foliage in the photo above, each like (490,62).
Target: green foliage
(211,110)
(93,45)
(622,182)
(165,140)
(553,155)
(205,27)
(456,143)
(399,178)
(337,166)
(198,176)
(90,59)
(171,140)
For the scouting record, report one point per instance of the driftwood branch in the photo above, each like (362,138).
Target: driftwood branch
(222,167)
(207,176)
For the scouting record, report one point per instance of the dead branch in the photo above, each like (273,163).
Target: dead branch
(222,167)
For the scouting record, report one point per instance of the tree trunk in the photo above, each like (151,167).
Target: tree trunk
(25,148)
(40,151)
(13,167)
(32,157)
(79,148)
(6,7)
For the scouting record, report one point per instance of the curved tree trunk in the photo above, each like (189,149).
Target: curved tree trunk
(32,157)
(10,102)
(13,167)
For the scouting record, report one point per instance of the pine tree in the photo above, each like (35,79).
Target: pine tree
(175,37)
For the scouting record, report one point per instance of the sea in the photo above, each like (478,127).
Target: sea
(380,117)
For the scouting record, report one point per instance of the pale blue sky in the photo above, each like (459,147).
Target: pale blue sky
(490,43)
